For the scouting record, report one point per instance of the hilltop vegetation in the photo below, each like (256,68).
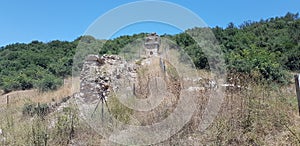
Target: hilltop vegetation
(35,65)
(265,50)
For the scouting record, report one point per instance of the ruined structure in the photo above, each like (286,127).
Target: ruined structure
(102,75)
(152,44)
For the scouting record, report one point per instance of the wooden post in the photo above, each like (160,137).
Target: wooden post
(7,100)
(297,82)
(156,84)
(133,89)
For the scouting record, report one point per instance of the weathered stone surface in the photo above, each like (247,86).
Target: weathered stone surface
(92,58)
(102,75)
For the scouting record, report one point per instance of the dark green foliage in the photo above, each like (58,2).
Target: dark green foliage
(268,48)
(28,109)
(188,44)
(42,110)
(259,63)
(35,65)
(31,109)
(49,82)
(114,46)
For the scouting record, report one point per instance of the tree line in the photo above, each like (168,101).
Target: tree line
(266,50)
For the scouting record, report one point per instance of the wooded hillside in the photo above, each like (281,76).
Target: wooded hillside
(265,50)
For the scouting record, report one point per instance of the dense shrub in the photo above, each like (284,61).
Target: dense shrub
(28,109)
(31,109)
(49,82)
(259,63)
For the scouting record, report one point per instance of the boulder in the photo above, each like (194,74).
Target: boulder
(92,58)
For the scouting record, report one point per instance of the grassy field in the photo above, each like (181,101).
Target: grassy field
(260,114)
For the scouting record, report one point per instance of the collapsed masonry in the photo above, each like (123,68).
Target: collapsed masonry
(102,75)
(109,75)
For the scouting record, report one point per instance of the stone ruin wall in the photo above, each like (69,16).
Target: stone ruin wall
(152,44)
(102,75)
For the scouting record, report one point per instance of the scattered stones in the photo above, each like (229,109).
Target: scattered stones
(192,89)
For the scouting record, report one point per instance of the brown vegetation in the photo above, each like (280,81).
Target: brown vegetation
(260,114)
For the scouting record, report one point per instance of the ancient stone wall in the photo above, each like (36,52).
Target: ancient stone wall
(152,44)
(102,75)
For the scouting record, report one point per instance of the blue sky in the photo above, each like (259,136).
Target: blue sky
(23,21)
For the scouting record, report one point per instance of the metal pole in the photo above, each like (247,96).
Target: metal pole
(297,82)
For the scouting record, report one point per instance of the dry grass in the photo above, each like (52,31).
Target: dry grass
(18,128)
(19,98)
(259,115)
